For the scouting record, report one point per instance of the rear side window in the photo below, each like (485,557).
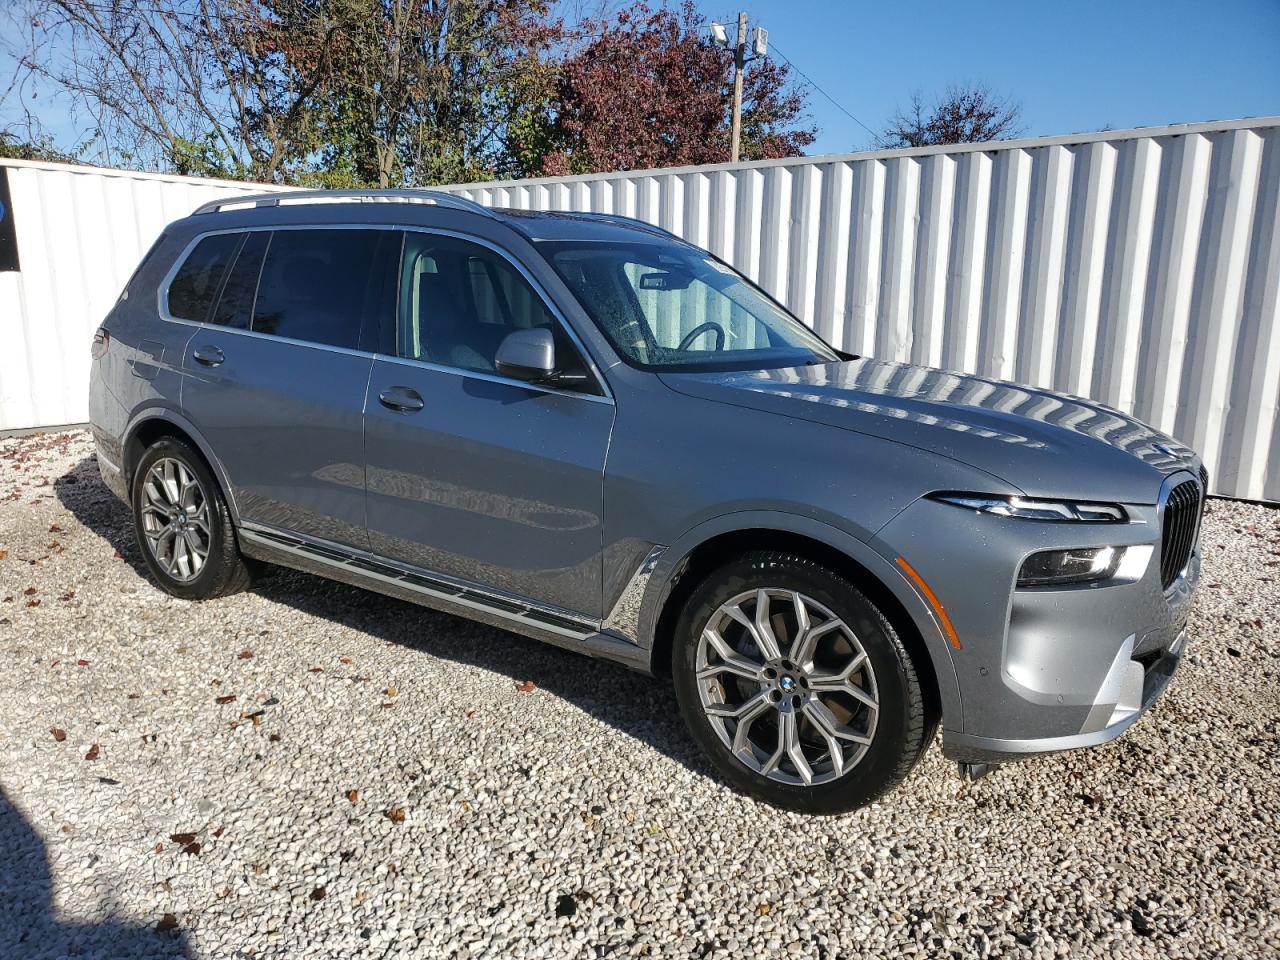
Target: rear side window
(195,285)
(235,306)
(316,284)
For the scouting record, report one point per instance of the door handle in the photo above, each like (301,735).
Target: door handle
(209,355)
(403,399)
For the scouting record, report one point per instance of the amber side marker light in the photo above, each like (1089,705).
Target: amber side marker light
(934,602)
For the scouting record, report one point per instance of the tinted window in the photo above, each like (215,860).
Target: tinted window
(196,283)
(316,284)
(458,300)
(235,306)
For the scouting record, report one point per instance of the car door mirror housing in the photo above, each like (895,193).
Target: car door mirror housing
(527,355)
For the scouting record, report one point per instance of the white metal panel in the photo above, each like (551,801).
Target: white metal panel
(81,232)
(1138,267)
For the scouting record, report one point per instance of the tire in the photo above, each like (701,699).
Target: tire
(173,557)
(856,659)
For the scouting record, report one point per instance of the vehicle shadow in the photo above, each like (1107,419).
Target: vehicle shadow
(29,927)
(638,706)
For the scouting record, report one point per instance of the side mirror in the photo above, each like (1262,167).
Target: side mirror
(527,355)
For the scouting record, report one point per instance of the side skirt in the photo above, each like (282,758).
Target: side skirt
(554,625)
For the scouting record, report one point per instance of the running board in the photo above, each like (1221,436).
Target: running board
(556,625)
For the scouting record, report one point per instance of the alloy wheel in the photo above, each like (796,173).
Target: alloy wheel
(175,519)
(787,686)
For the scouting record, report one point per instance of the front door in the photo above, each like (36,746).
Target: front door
(474,475)
(276,378)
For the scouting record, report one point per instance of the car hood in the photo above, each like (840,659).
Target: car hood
(1044,444)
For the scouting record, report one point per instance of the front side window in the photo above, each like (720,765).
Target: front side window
(317,284)
(666,306)
(459,300)
(195,285)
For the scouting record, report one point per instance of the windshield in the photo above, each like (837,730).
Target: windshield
(666,306)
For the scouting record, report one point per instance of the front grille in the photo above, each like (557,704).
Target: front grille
(1178,533)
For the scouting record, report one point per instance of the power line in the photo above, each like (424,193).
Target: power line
(838,105)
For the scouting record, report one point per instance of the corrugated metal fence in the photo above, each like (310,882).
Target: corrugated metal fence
(81,232)
(1141,268)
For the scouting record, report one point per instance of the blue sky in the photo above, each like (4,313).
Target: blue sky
(1073,65)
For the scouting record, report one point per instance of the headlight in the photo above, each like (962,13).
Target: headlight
(1058,567)
(1070,511)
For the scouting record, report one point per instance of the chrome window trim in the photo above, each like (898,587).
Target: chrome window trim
(162,306)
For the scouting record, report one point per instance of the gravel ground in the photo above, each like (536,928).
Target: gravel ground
(312,770)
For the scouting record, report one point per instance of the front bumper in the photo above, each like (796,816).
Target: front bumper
(1044,669)
(1134,687)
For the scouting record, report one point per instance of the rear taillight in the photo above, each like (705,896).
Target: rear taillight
(101,340)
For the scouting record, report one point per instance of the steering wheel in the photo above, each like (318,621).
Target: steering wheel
(699,330)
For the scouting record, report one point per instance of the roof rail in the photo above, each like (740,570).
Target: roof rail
(434,197)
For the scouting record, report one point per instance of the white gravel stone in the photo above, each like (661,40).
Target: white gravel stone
(576,820)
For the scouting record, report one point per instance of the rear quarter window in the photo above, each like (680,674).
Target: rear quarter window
(193,288)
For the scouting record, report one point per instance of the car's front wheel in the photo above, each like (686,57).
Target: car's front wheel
(797,686)
(183,526)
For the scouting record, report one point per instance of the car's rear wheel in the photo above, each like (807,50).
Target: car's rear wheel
(183,526)
(797,686)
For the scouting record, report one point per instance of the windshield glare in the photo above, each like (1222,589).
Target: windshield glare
(665,306)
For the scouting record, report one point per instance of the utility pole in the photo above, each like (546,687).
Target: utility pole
(739,64)
(741,57)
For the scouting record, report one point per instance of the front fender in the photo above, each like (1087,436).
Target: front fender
(884,569)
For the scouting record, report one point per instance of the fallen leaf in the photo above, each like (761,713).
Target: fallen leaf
(391,691)
(346,660)
(317,893)
(59,734)
(66,828)
(93,752)
(68,596)
(3,554)
(353,795)
(30,591)
(167,922)
(183,838)
(109,782)
(226,699)
(470,714)
(54,528)
(245,655)
(395,815)
(763,909)
(274,738)
(316,670)
(33,603)
(526,686)
(159,848)
(191,849)
(82,662)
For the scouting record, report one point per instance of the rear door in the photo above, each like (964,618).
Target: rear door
(276,376)
(471,474)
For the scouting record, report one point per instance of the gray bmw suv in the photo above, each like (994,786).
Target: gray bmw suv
(585,430)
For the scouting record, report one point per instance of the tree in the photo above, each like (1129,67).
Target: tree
(649,89)
(193,86)
(965,114)
(428,91)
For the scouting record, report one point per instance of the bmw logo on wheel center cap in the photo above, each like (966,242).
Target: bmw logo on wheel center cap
(787,684)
